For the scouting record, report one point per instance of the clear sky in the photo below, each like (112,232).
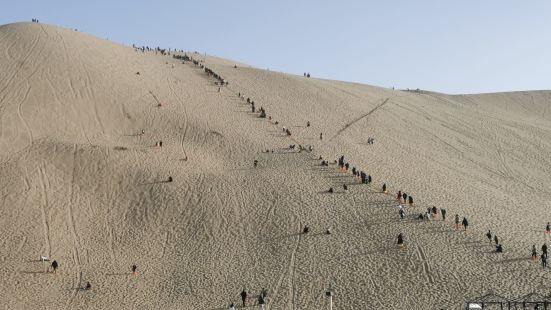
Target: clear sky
(462,46)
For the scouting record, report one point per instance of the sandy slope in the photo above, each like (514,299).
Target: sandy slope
(79,185)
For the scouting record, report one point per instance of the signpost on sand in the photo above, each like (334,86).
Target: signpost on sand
(329,294)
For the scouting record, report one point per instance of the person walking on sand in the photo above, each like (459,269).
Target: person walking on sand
(548,228)
(543,249)
(54,266)
(456,221)
(443,212)
(465,223)
(261,301)
(543,261)
(244,297)
(489,236)
(401,213)
(410,200)
(321,136)
(264,293)
(534,252)
(405,196)
(400,241)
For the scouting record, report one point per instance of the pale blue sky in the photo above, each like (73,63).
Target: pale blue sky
(462,46)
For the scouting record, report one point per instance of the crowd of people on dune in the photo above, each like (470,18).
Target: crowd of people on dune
(402,198)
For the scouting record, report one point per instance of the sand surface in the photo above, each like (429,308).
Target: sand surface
(80,185)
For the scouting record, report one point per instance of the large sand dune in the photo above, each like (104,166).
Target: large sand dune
(78,184)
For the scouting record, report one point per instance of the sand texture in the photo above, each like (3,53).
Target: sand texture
(81,185)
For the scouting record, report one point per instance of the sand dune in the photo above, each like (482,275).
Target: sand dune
(81,185)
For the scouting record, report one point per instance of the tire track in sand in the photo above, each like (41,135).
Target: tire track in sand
(43,207)
(182,142)
(359,118)
(426,268)
(71,220)
(291,281)
(20,114)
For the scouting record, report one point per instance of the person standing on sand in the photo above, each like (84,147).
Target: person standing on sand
(543,261)
(321,136)
(405,196)
(496,240)
(489,236)
(134,270)
(261,301)
(456,221)
(534,252)
(384,187)
(401,213)
(443,212)
(410,200)
(400,241)
(244,297)
(543,249)
(54,266)
(548,228)
(465,223)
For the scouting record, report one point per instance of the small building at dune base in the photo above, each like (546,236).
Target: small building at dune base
(491,301)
